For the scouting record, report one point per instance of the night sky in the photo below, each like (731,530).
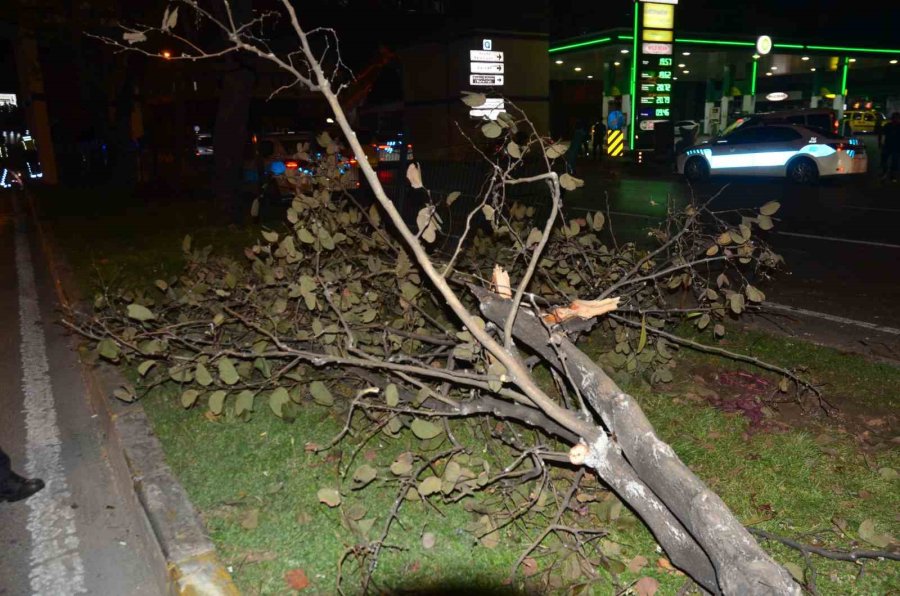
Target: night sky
(826,20)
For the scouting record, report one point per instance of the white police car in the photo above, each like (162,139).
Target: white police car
(799,153)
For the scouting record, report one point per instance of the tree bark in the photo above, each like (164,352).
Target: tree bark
(741,566)
(230,136)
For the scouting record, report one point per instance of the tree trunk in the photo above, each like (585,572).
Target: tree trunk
(230,136)
(647,474)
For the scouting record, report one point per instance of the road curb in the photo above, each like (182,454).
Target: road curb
(182,555)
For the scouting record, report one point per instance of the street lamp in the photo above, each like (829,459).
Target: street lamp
(559,61)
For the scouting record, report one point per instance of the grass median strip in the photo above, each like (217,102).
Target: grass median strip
(829,482)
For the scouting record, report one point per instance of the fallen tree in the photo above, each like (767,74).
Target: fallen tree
(350,301)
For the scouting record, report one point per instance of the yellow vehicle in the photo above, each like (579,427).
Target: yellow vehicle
(862,120)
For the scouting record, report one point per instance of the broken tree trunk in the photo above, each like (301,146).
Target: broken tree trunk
(741,566)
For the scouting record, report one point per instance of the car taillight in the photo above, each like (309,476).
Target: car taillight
(836,146)
(353,162)
(291,165)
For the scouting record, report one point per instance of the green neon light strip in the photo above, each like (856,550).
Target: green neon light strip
(723,42)
(844,77)
(753,79)
(844,49)
(715,42)
(632,118)
(581,44)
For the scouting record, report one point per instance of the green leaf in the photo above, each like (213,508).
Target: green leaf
(108,348)
(491,130)
(795,570)
(145,366)
(473,100)
(391,395)
(770,208)
(227,372)
(425,429)
(270,236)
(867,533)
(765,222)
(364,475)
(244,402)
(736,301)
(534,237)
(556,150)
(189,398)
(888,473)
(217,401)
(429,486)
(304,235)
(202,376)
(325,239)
(320,393)
(409,290)
(514,150)
(277,400)
(125,393)
(452,197)
(703,321)
(139,312)
(329,496)
(754,295)
(402,465)
(570,182)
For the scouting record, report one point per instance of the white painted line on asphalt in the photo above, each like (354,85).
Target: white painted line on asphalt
(832,318)
(56,566)
(833,239)
(861,208)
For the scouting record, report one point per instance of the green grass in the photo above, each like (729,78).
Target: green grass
(125,241)
(795,483)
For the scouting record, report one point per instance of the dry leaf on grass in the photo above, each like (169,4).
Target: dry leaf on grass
(584,309)
(646,586)
(296,579)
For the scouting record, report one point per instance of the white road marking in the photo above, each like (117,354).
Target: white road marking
(861,208)
(832,318)
(56,566)
(834,239)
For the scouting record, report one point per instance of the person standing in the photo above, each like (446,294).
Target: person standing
(889,142)
(12,486)
(598,139)
(576,145)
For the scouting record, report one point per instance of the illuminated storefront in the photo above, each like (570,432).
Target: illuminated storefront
(714,79)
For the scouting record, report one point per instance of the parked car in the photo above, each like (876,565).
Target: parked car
(296,162)
(863,121)
(799,153)
(824,119)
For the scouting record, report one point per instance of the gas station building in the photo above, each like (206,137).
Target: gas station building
(714,78)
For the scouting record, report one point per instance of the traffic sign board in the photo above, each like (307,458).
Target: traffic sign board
(486,80)
(486,67)
(485,56)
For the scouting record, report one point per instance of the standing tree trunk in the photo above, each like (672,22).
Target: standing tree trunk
(232,118)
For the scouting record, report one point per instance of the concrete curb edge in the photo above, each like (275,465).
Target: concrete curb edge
(184,558)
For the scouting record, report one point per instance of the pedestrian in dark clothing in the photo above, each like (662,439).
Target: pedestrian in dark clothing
(598,139)
(12,486)
(576,145)
(890,149)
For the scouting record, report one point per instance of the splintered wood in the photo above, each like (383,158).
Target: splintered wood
(500,281)
(583,309)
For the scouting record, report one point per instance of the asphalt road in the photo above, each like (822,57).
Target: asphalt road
(76,536)
(840,238)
